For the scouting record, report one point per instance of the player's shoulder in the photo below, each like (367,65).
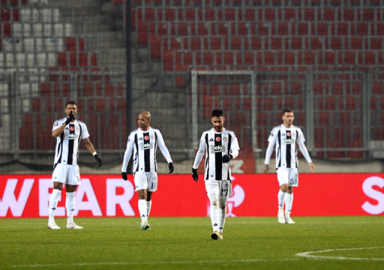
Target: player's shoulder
(297,128)
(205,132)
(133,132)
(59,122)
(81,123)
(230,132)
(277,128)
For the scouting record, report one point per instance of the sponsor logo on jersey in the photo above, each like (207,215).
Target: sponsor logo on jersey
(71,136)
(211,140)
(289,141)
(146,146)
(217,149)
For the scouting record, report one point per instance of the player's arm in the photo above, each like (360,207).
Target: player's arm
(198,158)
(234,151)
(87,143)
(59,128)
(268,153)
(304,151)
(127,156)
(164,151)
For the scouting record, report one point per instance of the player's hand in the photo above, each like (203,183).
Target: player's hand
(266,168)
(195,176)
(170,166)
(311,167)
(124,175)
(226,158)
(70,118)
(98,160)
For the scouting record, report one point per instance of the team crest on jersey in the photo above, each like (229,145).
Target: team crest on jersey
(146,138)
(217,139)
(151,137)
(56,124)
(225,139)
(217,148)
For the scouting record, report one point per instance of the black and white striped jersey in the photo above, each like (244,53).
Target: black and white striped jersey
(286,141)
(67,143)
(215,145)
(143,145)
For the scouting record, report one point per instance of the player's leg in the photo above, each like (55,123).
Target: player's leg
(141,184)
(152,187)
(70,187)
(225,192)
(282,177)
(213,190)
(58,178)
(293,182)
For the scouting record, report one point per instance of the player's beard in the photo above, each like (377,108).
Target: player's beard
(218,129)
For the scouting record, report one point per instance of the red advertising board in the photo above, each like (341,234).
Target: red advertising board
(178,195)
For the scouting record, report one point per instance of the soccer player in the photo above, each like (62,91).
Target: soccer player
(143,143)
(68,132)
(286,136)
(220,147)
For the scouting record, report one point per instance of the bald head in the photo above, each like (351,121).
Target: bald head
(144,120)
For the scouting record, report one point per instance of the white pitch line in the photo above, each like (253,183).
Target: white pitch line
(141,263)
(308,254)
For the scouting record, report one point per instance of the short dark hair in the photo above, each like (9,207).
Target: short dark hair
(70,102)
(287,110)
(217,113)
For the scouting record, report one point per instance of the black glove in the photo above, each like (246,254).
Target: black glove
(124,175)
(70,118)
(170,166)
(226,158)
(195,176)
(98,160)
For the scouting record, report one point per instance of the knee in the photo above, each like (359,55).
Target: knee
(215,203)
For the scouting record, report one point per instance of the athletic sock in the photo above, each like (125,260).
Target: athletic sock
(280,198)
(149,205)
(53,204)
(214,213)
(70,205)
(222,215)
(143,210)
(288,202)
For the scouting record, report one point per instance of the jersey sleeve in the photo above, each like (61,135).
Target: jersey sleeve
(271,143)
(163,148)
(235,148)
(200,152)
(303,148)
(85,133)
(57,124)
(128,152)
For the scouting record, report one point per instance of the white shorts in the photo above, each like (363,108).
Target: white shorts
(66,174)
(146,180)
(218,189)
(288,176)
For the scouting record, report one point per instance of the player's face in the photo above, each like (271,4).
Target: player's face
(218,123)
(143,122)
(288,118)
(71,108)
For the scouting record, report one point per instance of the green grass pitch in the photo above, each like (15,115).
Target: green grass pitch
(185,243)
